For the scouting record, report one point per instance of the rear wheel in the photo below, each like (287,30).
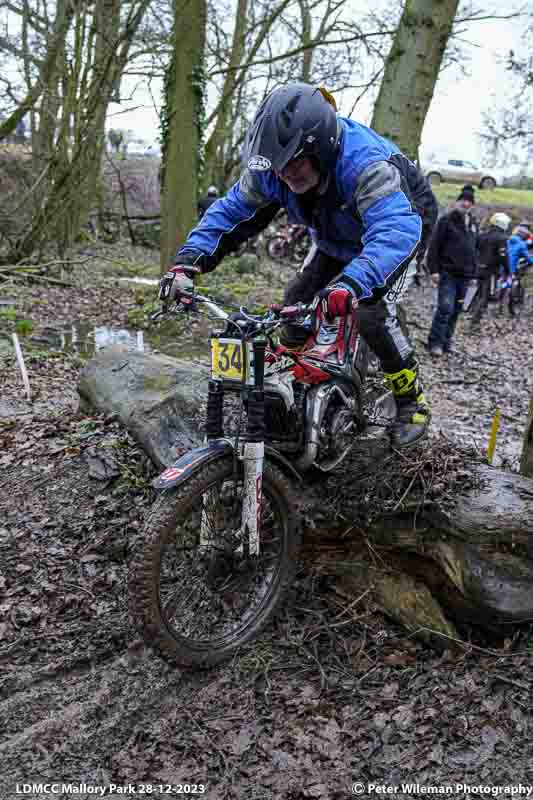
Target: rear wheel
(434,178)
(300,248)
(277,249)
(487,183)
(197,593)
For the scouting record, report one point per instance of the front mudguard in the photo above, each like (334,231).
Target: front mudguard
(193,460)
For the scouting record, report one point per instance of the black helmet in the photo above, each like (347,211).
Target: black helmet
(293,121)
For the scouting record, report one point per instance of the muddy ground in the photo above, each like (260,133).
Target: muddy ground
(331,699)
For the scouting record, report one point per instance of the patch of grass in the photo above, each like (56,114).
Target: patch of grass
(128,269)
(448,192)
(9,313)
(139,317)
(23,327)
(146,294)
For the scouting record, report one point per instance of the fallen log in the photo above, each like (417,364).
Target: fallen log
(438,539)
(155,397)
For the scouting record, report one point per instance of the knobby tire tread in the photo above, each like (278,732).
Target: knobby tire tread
(168,507)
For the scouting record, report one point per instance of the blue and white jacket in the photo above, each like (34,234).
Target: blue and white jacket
(372,214)
(517,249)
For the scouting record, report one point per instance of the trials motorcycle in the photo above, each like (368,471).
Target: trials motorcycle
(221,540)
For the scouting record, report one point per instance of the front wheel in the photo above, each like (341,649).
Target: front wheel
(197,591)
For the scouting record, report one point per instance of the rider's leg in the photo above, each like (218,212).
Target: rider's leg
(380,327)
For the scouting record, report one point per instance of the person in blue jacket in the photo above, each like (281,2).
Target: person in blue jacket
(368,210)
(517,247)
(517,250)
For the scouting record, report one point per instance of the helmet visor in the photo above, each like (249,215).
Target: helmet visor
(276,159)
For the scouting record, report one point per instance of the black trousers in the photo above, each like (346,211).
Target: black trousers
(482,300)
(378,319)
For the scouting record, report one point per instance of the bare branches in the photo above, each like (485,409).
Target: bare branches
(304,47)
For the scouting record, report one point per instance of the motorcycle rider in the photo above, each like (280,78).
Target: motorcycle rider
(367,208)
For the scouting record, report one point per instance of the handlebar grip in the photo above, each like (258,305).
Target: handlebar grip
(289,311)
(188,269)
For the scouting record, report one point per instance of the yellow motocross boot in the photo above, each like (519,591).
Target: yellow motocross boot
(413,413)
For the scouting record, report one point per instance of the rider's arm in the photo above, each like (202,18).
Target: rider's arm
(392,230)
(248,208)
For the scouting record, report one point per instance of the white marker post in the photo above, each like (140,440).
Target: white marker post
(22,365)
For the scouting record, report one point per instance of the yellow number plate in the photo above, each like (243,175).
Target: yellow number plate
(228,359)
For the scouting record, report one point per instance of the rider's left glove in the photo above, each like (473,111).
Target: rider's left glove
(178,279)
(335,301)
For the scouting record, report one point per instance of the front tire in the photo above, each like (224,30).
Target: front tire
(196,593)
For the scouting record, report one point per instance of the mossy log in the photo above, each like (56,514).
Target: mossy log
(437,539)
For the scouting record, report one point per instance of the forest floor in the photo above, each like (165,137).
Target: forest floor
(332,700)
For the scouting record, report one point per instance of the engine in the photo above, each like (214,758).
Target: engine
(316,424)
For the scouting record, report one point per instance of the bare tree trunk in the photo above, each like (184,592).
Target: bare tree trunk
(69,140)
(214,169)
(307,57)
(411,71)
(182,138)
(63,21)
(526,462)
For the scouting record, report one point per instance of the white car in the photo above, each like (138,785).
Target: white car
(136,147)
(153,151)
(458,170)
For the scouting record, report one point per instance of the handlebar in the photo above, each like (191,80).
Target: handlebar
(275,316)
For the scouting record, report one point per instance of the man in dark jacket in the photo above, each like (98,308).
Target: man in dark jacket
(492,260)
(452,261)
(367,209)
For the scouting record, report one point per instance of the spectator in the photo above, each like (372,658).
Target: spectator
(517,250)
(20,132)
(492,260)
(115,140)
(208,200)
(517,247)
(452,262)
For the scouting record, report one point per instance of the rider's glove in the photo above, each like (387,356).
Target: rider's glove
(178,279)
(336,301)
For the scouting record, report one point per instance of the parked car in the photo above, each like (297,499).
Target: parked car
(153,151)
(135,147)
(458,170)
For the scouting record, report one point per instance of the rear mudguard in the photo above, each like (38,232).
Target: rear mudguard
(192,461)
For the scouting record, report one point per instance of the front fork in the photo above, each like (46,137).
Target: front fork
(252,457)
